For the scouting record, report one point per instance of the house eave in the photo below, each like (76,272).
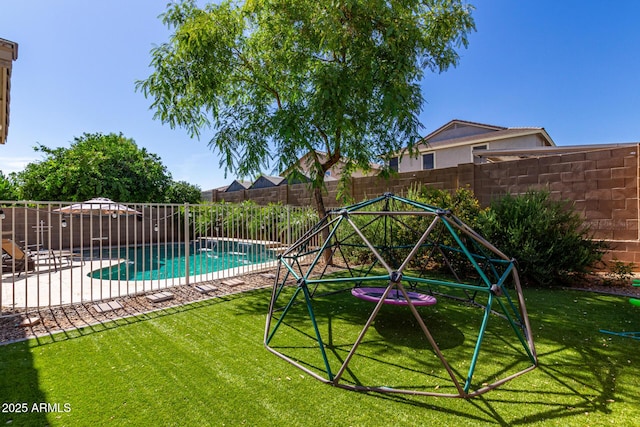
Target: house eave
(461,122)
(8,54)
(489,137)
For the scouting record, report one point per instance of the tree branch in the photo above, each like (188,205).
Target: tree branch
(324,137)
(252,72)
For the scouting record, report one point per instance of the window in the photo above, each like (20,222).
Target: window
(428,161)
(327,173)
(393,164)
(474,158)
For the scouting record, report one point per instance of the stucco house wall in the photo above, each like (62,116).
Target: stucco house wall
(334,173)
(453,144)
(451,156)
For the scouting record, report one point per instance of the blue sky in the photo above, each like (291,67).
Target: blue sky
(569,66)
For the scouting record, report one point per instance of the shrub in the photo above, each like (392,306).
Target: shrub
(619,272)
(462,202)
(548,238)
(396,240)
(248,220)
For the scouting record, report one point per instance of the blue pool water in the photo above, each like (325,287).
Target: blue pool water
(166,261)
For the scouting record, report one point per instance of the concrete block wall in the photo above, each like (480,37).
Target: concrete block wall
(33,226)
(602,184)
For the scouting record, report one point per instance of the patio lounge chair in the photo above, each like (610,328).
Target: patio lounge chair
(14,258)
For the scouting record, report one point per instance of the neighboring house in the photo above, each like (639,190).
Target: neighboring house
(296,178)
(8,54)
(306,162)
(237,185)
(460,141)
(207,195)
(266,181)
(289,177)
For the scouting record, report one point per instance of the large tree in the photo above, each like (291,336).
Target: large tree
(278,79)
(8,188)
(183,192)
(95,165)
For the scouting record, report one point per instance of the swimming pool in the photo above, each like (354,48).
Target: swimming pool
(166,261)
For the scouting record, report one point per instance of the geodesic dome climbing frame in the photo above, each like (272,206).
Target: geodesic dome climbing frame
(398,256)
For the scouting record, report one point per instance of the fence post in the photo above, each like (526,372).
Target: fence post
(288,225)
(186,242)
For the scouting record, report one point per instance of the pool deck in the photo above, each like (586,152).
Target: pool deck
(70,283)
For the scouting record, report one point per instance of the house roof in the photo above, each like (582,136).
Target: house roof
(458,122)
(267,181)
(237,185)
(8,54)
(490,136)
(485,133)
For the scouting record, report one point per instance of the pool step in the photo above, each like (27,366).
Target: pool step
(160,297)
(205,289)
(233,282)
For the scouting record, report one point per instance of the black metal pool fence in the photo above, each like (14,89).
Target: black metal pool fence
(57,253)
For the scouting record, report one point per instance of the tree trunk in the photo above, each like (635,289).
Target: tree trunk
(322,212)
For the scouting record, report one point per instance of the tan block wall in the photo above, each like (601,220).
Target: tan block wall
(603,185)
(86,231)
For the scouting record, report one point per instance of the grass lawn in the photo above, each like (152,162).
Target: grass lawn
(205,364)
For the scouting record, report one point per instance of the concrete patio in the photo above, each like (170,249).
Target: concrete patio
(71,283)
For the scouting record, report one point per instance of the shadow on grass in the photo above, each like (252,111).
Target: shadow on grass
(17,374)
(401,330)
(85,321)
(580,372)
(23,401)
(16,370)
(510,406)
